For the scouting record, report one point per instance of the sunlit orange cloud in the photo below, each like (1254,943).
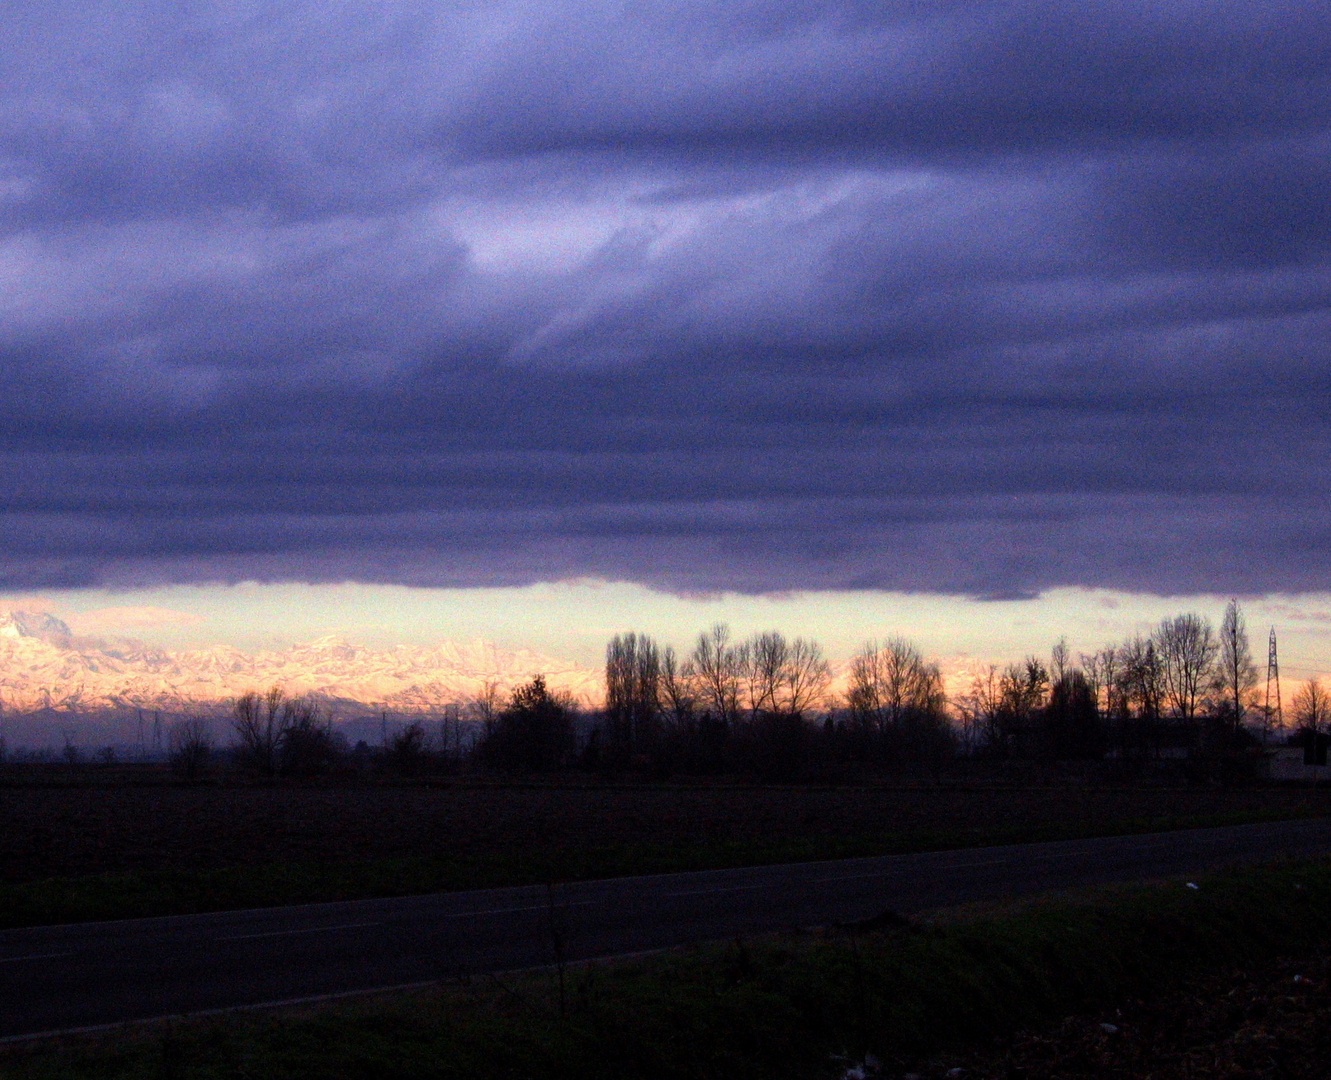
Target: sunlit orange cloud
(102,620)
(30,603)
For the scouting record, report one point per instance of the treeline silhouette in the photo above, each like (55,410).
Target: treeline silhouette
(277,736)
(763,705)
(1184,694)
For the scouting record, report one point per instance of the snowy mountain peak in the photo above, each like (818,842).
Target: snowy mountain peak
(35,624)
(65,674)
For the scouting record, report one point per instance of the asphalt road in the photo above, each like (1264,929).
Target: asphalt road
(61,977)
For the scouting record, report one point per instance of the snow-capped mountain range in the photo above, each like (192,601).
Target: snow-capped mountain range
(43,666)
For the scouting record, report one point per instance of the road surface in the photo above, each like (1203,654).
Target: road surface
(62,977)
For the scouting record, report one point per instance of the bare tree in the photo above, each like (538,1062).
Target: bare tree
(679,690)
(981,709)
(486,704)
(807,677)
(864,695)
(717,664)
(1236,675)
(1101,670)
(257,720)
(190,743)
(632,689)
(1312,707)
(1060,660)
(763,659)
(1023,690)
(888,680)
(1186,649)
(975,707)
(896,698)
(1139,681)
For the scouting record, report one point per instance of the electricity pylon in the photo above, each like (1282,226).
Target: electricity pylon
(1273,677)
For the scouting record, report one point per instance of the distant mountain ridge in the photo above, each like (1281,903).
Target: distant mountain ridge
(44,666)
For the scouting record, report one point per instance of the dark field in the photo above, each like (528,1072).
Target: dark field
(71,831)
(1199,982)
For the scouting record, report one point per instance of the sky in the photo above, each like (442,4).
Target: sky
(814,304)
(573,620)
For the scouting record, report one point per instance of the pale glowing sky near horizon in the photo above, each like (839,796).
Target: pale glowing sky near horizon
(573,620)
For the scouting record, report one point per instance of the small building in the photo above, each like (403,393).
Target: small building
(1296,763)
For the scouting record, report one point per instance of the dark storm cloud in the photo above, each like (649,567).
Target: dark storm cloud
(977,297)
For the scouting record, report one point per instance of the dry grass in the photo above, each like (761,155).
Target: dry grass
(1265,1021)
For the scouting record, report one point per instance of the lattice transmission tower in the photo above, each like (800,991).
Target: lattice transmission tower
(1273,679)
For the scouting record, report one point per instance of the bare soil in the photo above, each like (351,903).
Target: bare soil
(50,831)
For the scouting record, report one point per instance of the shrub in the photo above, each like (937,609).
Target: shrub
(534,733)
(406,749)
(190,748)
(306,746)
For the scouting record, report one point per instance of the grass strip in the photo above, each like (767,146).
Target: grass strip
(184,891)
(791,1006)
